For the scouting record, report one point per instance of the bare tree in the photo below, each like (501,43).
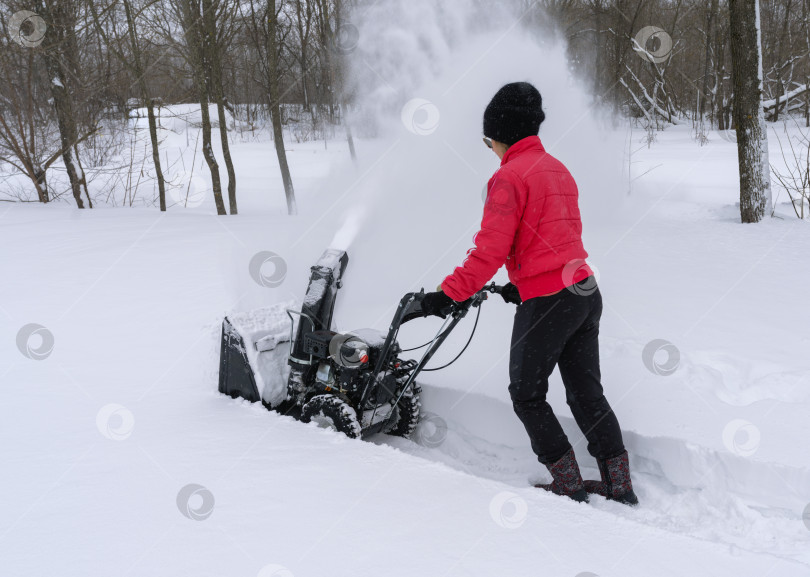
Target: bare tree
(24,126)
(335,39)
(61,58)
(795,176)
(275,104)
(217,33)
(197,45)
(749,118)
(138,67)
(304,14)
(265,31)
(711,16)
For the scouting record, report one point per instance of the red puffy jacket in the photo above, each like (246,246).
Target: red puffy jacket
(531,223)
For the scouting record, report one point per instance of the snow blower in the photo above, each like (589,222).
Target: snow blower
(356,383)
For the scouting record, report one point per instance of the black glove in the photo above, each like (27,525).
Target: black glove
(437,304)
(510,294)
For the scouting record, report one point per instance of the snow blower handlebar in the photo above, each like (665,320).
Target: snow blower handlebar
(412,304)
(409,308)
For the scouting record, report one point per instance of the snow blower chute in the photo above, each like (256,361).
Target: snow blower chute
(293,362)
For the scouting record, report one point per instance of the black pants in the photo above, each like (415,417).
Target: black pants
(562,329)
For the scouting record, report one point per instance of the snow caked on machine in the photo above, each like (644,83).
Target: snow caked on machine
(355,382)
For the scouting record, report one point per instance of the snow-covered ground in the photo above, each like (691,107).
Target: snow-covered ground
(123,413)
(120,457)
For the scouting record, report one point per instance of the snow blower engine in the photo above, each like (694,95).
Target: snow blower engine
(354,382)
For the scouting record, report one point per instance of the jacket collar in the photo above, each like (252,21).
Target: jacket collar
(521,146)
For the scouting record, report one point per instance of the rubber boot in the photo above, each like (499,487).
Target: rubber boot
(567,479)
(615,484)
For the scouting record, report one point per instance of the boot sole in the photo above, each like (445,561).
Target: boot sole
(580,496)
(630,499)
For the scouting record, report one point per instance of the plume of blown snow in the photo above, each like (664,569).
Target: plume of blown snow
(420,78)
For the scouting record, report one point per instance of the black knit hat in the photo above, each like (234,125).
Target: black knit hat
(515,112)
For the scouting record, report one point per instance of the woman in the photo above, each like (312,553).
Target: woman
(532,225)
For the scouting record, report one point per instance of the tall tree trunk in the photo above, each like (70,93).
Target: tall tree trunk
(336,67)
(780,89)
(197,55)
(214,62)
(598,74)
(303,34)
(719,92)
(707,56)
(327,52)
(80,170)
(349,136)
(275,106)
(749,117)
(35,169)
(138,70)
(226,152)
(806,26)
(60,18)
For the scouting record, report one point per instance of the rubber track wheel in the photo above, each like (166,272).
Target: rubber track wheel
(409,407)
(334,410)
